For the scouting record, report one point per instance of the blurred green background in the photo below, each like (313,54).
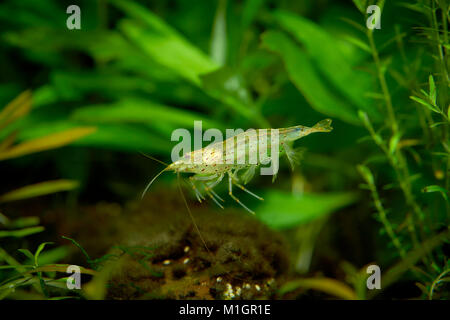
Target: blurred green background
(137,70)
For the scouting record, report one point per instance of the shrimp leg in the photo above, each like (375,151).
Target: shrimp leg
(212,184)
(214,197)
(197,193)
(208,189)
(246,190)
(230,192)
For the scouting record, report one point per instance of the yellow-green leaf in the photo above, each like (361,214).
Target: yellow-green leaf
(51,141)
(39,189)
(16,109)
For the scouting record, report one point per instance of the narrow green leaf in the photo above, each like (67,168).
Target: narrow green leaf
(39,189)
(327,285)
(393,142)
(27,253)
(361,5)
(359,43)
(20,233)
(432,94)
(424,103)
(436,188)
(367,174)
(52,141)
(38,252)
(219,34)
(23,222)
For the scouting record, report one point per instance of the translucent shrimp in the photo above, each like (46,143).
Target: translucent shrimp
(210,165)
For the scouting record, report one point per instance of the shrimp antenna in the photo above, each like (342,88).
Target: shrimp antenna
(153,158)
(150,183)
(190,213)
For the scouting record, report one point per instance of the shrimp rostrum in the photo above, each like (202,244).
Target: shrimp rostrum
(237,159)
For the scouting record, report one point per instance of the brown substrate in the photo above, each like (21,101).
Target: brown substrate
(155,250)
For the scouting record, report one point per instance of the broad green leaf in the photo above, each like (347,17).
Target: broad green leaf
(228,86)
(113,136)
(163,43)
(306,78)
(141,111)
(283,210)
(51,141)
(39,189)
(323,49)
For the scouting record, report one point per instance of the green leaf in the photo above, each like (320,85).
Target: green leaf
(23,222)
(16,109)
(283,210)
(164,44)
(134,110)
(327,285)
(424,103)
(27,253)
(432,94)
(228,86)
(249,11)
(219,34)
(20,233)
(302,73)
(322,47)
(39,189)
(361,5)
(359,43)
(38,252)
(393,142)
(113,136)
(367,174)
(53,255)
(436,188)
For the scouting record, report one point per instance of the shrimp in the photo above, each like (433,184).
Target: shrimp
(211,164)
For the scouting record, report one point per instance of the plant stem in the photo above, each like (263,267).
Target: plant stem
(383,84)
(396,159)
(384,220)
